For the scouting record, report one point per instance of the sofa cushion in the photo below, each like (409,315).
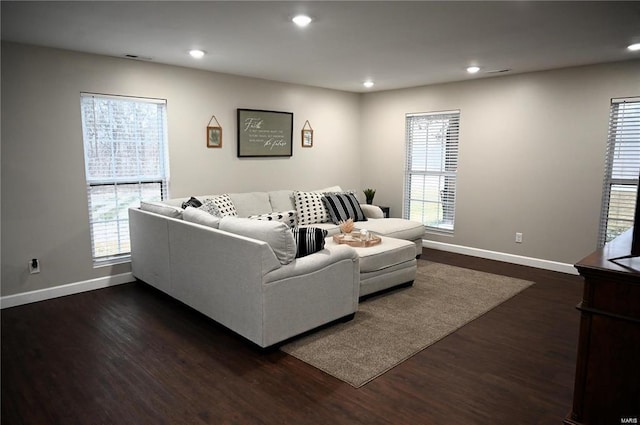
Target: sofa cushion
(389,252)
(220,206)
(251,203)
(277,235)
(161,208)
(372,211)
(282,200)
(396,228)
(308,240)
(384,255)
(343,206)
(287,217)
(310,208)
(196,215)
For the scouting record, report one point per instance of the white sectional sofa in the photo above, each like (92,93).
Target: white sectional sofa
(243,272)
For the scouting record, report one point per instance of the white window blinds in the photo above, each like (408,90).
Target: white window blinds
(621,170)
(431,169)
(125,151)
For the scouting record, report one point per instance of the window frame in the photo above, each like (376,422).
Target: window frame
(623,145)
(445,198)
(137,184)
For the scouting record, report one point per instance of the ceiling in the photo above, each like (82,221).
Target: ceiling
(396,44)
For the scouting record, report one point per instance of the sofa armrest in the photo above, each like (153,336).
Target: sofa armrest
(372,211)
(312,263)
(309,292)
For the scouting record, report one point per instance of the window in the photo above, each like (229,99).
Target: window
(431,169)
(125,155)
(621,170)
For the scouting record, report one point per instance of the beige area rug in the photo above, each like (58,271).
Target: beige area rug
(390,328)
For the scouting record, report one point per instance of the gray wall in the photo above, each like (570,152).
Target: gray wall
(44,203)
(532,150)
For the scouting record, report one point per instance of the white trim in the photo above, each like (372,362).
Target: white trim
(502,256)
(153,100)
(63,290)
(104,282)
(426,114)
(625,100)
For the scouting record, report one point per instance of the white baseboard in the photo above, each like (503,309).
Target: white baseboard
(104,282)
(63,290)
(501,256)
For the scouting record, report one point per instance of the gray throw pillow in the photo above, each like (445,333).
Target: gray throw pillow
(343,206)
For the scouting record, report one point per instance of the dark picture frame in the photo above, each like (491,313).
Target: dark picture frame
(214,137)
(264,133)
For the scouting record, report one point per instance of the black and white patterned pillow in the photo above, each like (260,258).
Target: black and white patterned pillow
(310,208)
(225,206)
(343,206)
(308,240)
(209,206)
(220,206)
(287,217)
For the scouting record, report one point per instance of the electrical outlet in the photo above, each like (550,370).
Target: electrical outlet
(518,237)
(34,266)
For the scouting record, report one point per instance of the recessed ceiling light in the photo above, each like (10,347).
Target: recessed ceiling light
(473,69)
(301,20)
(197,54)
(368,84)
(634,47)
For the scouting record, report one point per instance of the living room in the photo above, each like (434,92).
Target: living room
(531,152)
(532,149)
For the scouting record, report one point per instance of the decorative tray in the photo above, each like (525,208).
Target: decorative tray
(354,239)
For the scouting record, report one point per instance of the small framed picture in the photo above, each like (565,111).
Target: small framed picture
(307,138)
(214,137)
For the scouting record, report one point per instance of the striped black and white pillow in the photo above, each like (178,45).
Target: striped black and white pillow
(308,240)
(343,206)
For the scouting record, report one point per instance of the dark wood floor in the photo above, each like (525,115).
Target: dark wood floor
(131,355)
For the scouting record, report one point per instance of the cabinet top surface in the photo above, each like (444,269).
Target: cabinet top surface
(617,248)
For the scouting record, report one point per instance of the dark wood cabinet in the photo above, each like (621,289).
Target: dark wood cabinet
(607,380)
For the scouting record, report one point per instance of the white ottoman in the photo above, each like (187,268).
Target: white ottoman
(390,263)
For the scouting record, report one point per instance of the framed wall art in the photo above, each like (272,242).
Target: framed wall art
(214,137)
(264,133)
(214,134)
(307,135)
